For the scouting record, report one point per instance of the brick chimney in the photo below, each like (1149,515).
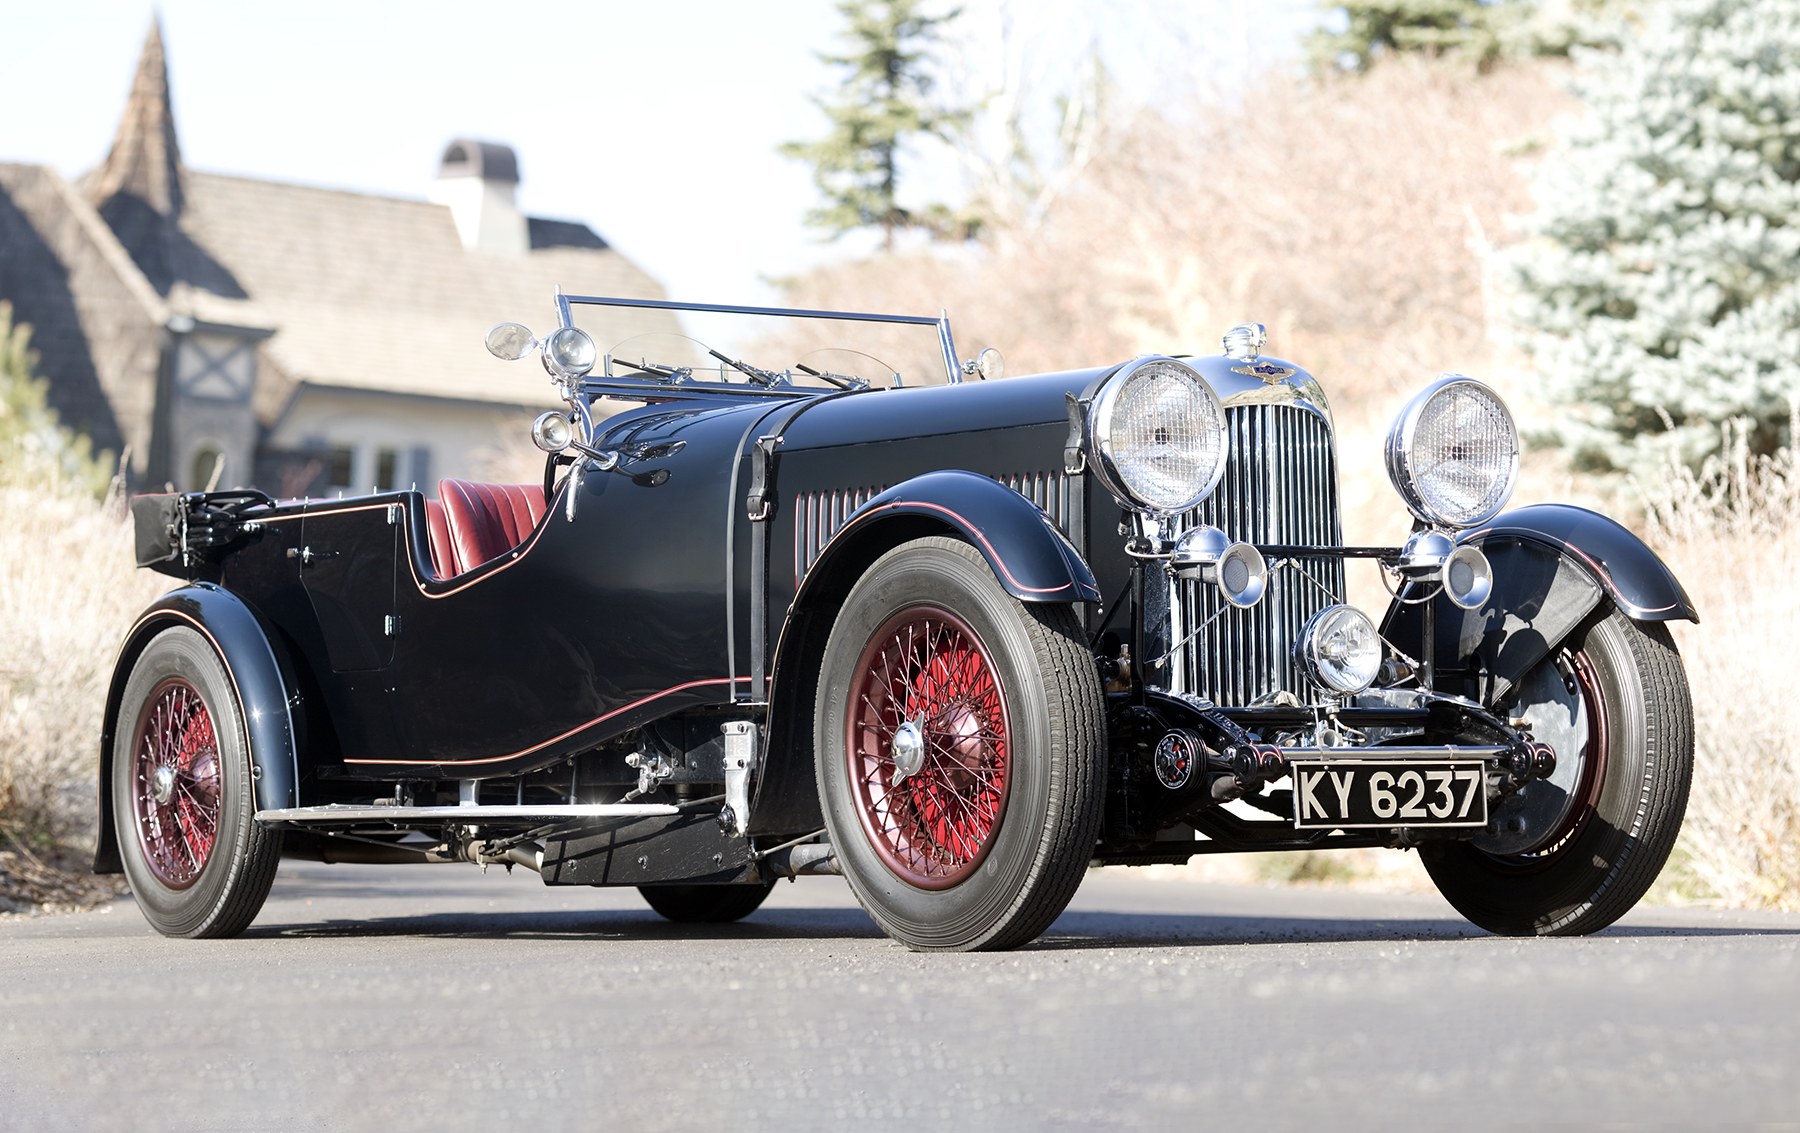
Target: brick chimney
(478,182)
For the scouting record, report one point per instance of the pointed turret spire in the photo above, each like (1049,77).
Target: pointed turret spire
(138,188)
(145,162)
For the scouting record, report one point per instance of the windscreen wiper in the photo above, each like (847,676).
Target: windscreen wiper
(666,373)
(756,374)
(838,380)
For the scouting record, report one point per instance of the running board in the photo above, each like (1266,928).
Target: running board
(338,813)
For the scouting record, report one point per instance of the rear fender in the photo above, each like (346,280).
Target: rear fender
(1554,565)
(1029,556)
(260,674)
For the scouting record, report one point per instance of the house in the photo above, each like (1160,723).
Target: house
(239,332)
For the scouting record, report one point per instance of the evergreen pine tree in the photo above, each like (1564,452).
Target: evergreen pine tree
(885,104)
(1477,32)
(1661,287)
(1468,29)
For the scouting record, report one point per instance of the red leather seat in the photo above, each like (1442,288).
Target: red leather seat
(443,556)
(484,521)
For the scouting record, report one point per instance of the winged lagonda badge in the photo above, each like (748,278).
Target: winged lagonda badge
(1267,371)
(1244,343)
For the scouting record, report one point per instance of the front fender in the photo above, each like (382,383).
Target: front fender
(1638,582)
(1029,556)
(259,672)
(1553,566)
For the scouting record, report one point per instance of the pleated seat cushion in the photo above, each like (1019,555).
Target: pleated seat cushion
(485,521)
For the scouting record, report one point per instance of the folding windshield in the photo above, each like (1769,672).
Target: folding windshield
(772,349)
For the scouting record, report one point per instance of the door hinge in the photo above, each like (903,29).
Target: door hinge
(390,625)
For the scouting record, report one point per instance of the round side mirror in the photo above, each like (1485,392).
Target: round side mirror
(988,365)
(510,342)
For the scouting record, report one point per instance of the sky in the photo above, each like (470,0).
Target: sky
(655,123)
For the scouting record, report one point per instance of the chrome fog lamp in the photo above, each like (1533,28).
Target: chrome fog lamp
(1463,572)
(1157,432)
(1453,453)
(1340,650)
(570,353)
(552,431)
(1206,554)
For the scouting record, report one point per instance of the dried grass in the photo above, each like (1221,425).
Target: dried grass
(1732,535)
(68,593)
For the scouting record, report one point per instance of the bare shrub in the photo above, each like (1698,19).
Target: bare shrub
(1732,534)
(1349,216)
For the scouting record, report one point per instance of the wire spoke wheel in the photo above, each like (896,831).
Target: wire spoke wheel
(932,811)
(176,789)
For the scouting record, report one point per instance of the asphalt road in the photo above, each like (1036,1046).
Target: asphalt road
(434,998)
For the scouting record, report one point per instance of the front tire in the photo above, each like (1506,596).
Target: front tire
(183,800)
(961,751)
(1570,855)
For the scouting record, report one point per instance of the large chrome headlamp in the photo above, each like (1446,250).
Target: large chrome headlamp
(1158,434)
(1453,453)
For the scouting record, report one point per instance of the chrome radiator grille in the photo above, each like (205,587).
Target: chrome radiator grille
(1280,486)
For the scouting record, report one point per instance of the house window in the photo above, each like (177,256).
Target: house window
(340,468)
(215,367)
(387,469)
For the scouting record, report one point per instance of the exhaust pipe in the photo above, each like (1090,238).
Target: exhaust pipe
(815,859)
(528,854)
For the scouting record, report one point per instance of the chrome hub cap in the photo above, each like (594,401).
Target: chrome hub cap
(908,749)
(162,785)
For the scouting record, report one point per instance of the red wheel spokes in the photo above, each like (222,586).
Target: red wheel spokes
(926,668)
(177,783)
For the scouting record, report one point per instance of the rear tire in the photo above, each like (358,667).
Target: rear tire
(961,751)
(183,799)
(705,904)
(1610,816)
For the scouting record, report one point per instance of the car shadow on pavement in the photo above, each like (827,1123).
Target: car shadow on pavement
(1074,931)
(1089,930)
(594,924)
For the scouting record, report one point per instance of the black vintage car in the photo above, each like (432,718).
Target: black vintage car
(958,640)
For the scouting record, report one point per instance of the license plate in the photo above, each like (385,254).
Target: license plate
(1343,794)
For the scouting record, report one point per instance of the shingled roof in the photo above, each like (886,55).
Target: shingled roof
(379,293)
